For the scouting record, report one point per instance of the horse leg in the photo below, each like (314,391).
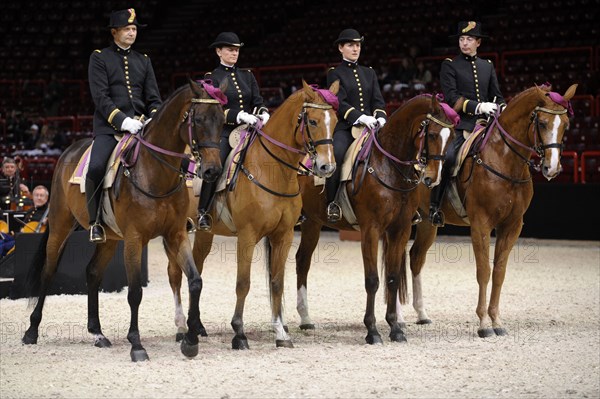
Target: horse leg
(481,247)
(506,237)
(369,245)
(424,238)
(202,247)
(179,251)
(133,262)
(175,273)
(45,268)
(245,250)
(94,272)
(280,247)
(394,254)
(309,238)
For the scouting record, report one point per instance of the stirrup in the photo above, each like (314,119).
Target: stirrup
(204,222)
(436,217)
(301,220)
(334,212)
(190,226)
(97,233)
(416,218)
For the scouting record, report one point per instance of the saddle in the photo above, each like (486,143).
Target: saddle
(471,139)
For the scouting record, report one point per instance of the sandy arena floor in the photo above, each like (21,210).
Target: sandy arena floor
(550,304)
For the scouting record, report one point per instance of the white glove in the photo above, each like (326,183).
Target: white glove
(265,117)
(247,118)
(486,108)
(381,121)
(147,121)
(368,121)
(131,125)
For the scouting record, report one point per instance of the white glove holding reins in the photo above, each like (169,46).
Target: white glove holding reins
(368,121)
(265,117)
(486,108)
(381,121)
(244,117)
(131,125)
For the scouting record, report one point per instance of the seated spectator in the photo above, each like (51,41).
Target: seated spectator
(422,77)
(11,186)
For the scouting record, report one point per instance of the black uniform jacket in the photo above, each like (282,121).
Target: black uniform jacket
(472,78)
(242,92)
(359,93)
(122,84)
(35,214)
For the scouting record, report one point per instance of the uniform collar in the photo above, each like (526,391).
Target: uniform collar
(227,68)
(469,58)
(349,63)
(119,50)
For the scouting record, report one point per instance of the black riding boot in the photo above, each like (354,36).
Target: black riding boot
(436,216)
(334,211)
(93,196)
(207,194)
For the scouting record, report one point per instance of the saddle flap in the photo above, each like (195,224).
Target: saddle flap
(463,152)
(349,159)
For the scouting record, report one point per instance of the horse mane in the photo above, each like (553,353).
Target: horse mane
(544,87)
(169,99)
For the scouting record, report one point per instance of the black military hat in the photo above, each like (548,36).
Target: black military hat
(349,35)
(469,28)
(121,18)
(226,39)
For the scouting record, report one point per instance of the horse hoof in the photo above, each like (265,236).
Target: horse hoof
(374,339)
(102,343)
(29,339)
(500,331)
(139,355)
(189,350)
(179,336)
(239,343)
(284,343)
(307,326)
(398,337)
(424,321)
(485,332)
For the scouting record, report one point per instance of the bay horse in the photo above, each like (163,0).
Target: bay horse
(265,201)
(494,185)
(406,153)
(148,204)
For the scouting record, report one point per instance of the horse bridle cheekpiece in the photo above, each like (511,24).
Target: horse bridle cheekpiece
(217,97)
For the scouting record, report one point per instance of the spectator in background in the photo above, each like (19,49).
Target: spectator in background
(422,78)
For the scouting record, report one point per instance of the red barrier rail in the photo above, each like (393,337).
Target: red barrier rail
(584,155)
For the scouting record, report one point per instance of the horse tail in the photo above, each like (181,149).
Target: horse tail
(402,286)
(34,275)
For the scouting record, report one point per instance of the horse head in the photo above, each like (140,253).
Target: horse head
(544,116)
(438,134)
(202,132)
(317,121)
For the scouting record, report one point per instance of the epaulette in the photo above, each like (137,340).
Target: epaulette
(371,67)
(208,73)
(98,51)
(490,61)
(448,59)
(145,55)
(330,68)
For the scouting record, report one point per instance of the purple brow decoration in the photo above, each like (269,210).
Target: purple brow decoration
(560,100)
(450,113)
(213,91)
(328,96)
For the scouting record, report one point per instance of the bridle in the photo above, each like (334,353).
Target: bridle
(537,149)
(195,145)
(419,163)
(309,147)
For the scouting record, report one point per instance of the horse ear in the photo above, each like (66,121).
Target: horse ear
(570,92)
(335,87)
(308,91)
(194,86)
(434,102)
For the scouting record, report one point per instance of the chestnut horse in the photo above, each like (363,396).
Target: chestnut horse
(265,201)
(495,187)
(393,161)
(147,204)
